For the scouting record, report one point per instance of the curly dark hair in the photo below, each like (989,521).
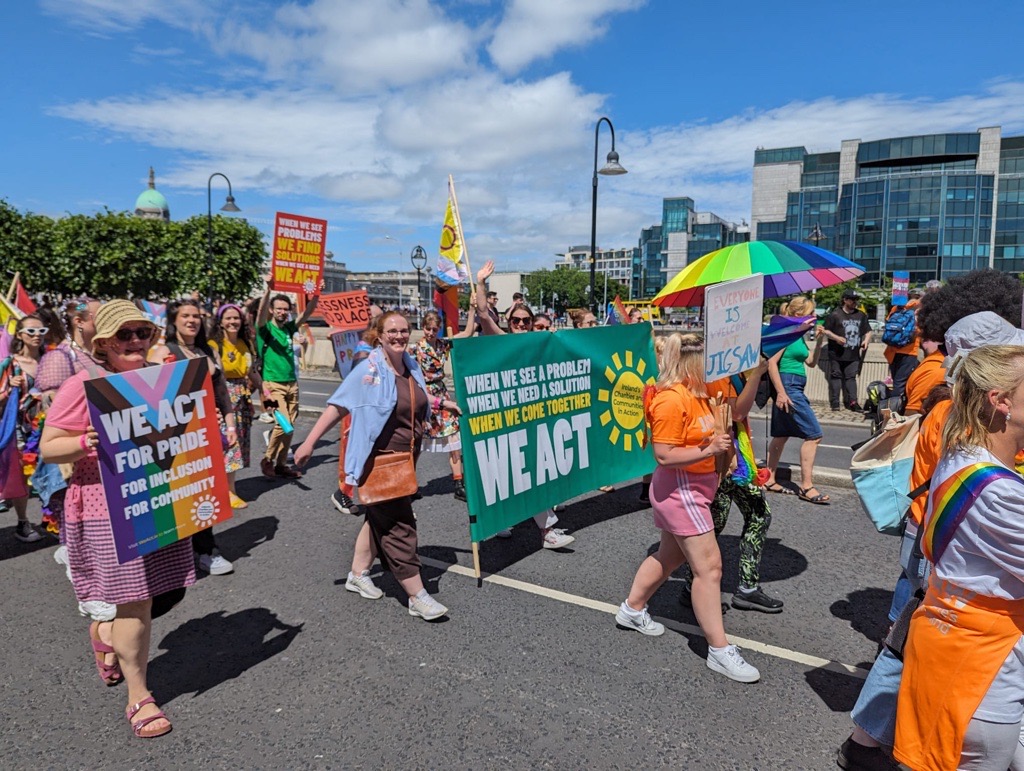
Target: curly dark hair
(979,290)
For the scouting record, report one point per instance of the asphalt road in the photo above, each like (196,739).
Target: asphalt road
(276,666)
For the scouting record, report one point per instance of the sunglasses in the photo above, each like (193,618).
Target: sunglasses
(142,333)
(519,321)
(393,333)
(35,331)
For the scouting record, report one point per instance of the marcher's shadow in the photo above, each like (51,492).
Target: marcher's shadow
(867,610)
(778,561)
(838,691)
(202,653)
(237,542)
(11,547)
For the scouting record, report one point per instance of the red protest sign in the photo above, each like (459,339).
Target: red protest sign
(298,257)
(345,310)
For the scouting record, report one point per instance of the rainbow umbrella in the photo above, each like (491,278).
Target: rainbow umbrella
(789,267)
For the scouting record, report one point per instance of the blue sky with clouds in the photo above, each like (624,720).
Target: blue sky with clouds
(357,110)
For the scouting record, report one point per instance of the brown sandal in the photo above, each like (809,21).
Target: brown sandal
(110,674)
(138,726)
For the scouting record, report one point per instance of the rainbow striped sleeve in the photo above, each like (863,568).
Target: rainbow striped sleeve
(953,499)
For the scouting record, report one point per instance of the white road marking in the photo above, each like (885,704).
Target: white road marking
(315,393)
(797,657)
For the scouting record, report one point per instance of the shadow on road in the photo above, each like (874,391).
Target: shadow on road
(838,691)
(867,610)
(204,652)
(10,547)
(238,541)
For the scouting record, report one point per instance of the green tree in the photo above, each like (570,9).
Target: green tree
(115,254)
(571,286)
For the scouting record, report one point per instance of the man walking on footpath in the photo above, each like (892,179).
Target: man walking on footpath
(848,334)
(280,382)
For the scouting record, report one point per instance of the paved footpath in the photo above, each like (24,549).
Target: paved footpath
(276,666)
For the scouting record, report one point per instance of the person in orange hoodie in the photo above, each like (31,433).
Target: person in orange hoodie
(903,358)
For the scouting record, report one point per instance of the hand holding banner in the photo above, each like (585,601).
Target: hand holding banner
(160,454)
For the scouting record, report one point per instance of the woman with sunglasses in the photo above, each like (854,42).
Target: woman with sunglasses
(143,588)
(18,371)
(233,344)
(388,400)
(186,339)
(520,319)
(442,434)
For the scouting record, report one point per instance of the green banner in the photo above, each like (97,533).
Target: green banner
(547,417)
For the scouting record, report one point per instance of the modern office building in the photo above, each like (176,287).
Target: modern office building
(687,235)
(936,205)
(616,264)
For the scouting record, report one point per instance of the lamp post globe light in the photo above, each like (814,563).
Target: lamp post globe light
(611,168)
(229,205)
(418,256)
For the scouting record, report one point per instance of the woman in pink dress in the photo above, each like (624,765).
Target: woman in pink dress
(143,588)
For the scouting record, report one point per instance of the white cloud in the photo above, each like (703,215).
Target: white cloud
(537,29)
(353,45)
(109,16)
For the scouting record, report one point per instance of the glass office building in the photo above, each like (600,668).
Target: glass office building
(923,204)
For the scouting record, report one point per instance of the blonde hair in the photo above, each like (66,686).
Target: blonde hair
(989,368)
(798,306)
(682,361)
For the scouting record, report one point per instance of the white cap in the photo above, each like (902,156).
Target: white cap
(975,331)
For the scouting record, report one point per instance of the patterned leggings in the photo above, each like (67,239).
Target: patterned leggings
(757,518)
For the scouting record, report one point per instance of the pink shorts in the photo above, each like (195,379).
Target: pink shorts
(682,500)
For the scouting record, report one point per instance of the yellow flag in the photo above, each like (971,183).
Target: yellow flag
(9,315)
(450,267)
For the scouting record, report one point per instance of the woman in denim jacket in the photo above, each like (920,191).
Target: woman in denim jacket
(387,416)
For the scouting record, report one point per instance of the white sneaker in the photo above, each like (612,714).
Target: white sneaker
(426,607)
(641,622)
(363,585)
(25,533)
(97,610)
(215,565)
(731,664)
(265,417)
(556,538)
(506,533)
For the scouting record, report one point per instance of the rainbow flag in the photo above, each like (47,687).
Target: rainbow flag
(451,261)
(782,331)
(746,463)
(616,312)
(951,501)
(155,312)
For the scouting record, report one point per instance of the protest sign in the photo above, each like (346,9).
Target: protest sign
(900,286)
(298,257)
(160,454)
(344,348)
(345,310)
(732,326)
(549,417)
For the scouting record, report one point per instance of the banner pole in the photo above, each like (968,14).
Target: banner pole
(17,275)
(476,564)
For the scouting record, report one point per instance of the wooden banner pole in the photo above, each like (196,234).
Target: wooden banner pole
(462,233)
(476,565)
(14,286)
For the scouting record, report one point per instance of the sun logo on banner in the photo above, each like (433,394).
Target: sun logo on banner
(205,511)
(625,397)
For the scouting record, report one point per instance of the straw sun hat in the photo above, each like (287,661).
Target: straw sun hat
(113,315)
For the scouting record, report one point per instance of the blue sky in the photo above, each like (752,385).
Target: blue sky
(357,110)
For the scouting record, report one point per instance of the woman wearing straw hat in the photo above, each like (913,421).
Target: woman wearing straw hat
(143,588)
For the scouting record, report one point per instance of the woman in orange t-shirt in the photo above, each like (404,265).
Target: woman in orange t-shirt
(682,422)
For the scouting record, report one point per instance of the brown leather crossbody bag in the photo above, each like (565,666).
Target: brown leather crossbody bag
(392,475)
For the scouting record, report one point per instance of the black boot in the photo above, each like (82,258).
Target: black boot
(460,490)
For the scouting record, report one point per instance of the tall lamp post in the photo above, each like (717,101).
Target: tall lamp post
(418,256)
(611,169)
(229,205)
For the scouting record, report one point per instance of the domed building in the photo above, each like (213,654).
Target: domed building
(151,204)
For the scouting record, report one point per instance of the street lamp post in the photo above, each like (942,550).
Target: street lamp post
(229,205)
(611,168)
(418,256)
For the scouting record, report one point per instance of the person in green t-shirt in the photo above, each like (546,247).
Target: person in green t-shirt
(274,348)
